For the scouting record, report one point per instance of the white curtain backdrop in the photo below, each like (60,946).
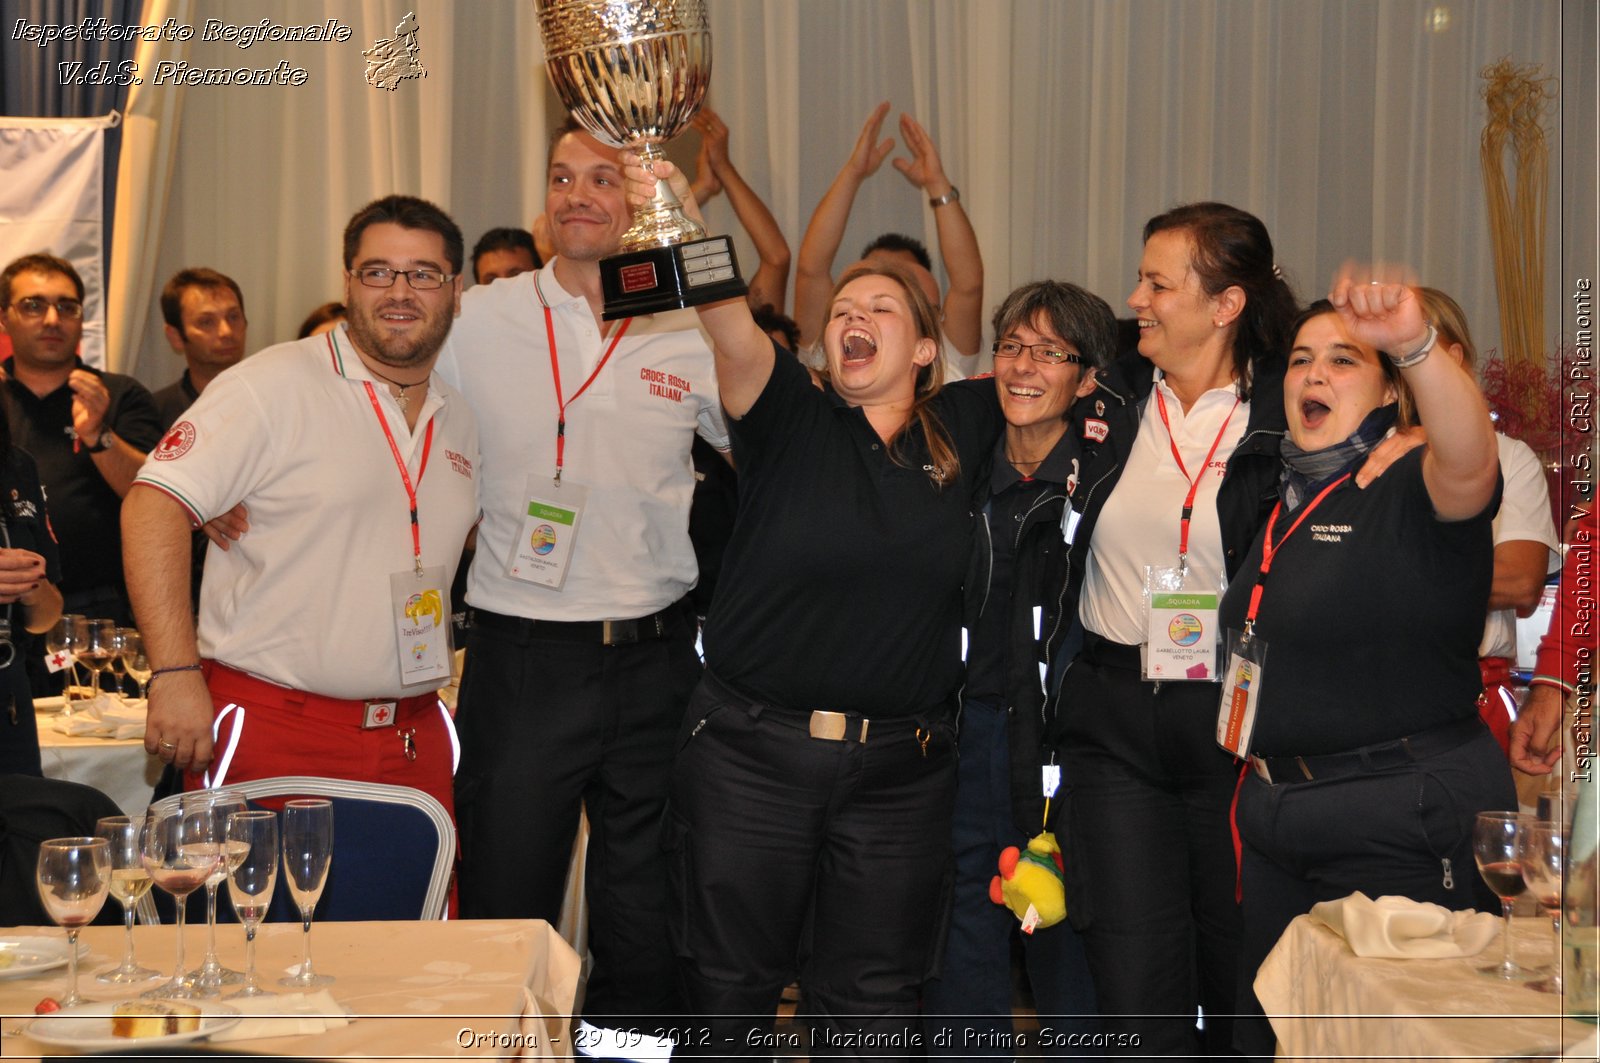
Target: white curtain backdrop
(1350,127)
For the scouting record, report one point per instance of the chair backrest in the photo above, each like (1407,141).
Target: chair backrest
(393,849)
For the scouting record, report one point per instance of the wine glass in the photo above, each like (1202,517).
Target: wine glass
(119,663)
(250,883)
(179,848)
(307,851)
(135,661)
(223,803)
(129,882)
(69,635)
(73,876)
(1541,846)
(1494,847)
(101,649)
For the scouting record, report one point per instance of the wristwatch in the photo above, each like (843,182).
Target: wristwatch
(952,196)
(104,442)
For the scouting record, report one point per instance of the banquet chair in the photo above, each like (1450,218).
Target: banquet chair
(393,851)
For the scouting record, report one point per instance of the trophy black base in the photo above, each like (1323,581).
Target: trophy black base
(670,278)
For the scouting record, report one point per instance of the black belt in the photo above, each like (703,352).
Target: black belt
(824,724)
(596,632)
(1378,757)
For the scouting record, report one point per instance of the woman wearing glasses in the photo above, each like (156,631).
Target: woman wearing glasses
(29,601)
(1052,337)
(1183,475)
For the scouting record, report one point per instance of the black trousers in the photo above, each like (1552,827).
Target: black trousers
(798,853)
(1149,853)
(545,724)
(1405,832)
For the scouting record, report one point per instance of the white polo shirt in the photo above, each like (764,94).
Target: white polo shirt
(1139,525)
(627,442)
(303,599)
(1524,514)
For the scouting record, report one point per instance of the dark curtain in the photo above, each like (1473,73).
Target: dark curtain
(30,76)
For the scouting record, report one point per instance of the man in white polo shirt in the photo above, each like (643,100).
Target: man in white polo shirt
(581,657)
(323,632)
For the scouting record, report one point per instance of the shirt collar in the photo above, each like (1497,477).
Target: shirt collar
(1055,469)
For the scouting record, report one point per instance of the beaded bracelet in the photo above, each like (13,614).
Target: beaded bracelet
(159,672)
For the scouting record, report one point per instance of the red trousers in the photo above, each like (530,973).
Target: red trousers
(263,730)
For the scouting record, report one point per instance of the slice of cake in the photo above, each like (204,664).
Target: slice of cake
(153,1018)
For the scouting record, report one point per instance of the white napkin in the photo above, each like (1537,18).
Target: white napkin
(104,717)
(1399,928)
(287,1015)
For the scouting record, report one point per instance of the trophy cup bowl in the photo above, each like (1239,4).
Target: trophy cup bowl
(633,73)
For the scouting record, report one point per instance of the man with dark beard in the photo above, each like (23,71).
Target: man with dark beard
(322,632)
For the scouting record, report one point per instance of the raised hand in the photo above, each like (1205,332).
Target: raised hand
(869,152)
(1379,307)
(924,168)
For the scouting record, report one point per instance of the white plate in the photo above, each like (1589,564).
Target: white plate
(89,1026)
(23,956)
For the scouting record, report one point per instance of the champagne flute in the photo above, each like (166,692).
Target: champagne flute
(179,848)
(129,882)
(1541,846)
(135,661)
(73,876)
(1494,847)
(307,851)
(102,647)
(119,663)
(211,975)
(250,884)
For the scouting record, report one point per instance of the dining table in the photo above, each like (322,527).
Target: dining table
(117,767)
(1325,1002)
(472,988)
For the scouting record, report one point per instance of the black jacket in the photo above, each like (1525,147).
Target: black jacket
(1113,411)
(1038,578)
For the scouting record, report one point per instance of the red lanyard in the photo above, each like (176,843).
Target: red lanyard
(1194,481)
(555,371)
(405,477)
(1269,551)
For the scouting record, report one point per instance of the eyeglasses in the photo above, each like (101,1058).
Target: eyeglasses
(1043,353)
(421,280)
(34,307)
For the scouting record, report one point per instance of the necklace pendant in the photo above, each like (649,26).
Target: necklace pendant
(404,400)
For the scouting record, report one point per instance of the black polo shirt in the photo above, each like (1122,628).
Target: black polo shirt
(1371,615)
(173,399)
(841,585)
(84,511)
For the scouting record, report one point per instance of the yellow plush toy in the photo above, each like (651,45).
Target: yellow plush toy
(1032,883)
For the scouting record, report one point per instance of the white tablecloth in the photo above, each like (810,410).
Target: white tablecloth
(121,770)
(1325,1002)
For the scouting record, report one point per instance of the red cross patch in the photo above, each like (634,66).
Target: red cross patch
(176,443)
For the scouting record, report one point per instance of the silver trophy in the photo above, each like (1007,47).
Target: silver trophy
(633,73)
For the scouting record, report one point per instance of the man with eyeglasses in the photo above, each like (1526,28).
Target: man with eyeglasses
(89,430)
(323,631)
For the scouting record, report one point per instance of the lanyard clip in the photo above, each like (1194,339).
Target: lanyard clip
(557,480)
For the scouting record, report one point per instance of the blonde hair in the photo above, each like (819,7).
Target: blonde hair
(945,464)
(1451,321)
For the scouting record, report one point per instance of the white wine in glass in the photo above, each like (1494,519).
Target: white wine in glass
(307,831)
(211,975)
(73,875)
(1541,847)
(135,661)
(129,883)
(250,883)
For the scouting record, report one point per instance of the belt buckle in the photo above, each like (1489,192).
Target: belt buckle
(618,632)
(834,727)
(1264,773)
(378,714)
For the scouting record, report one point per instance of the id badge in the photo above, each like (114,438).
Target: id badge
(420,605)
(543,547)
(1180,627)
(1241,689)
